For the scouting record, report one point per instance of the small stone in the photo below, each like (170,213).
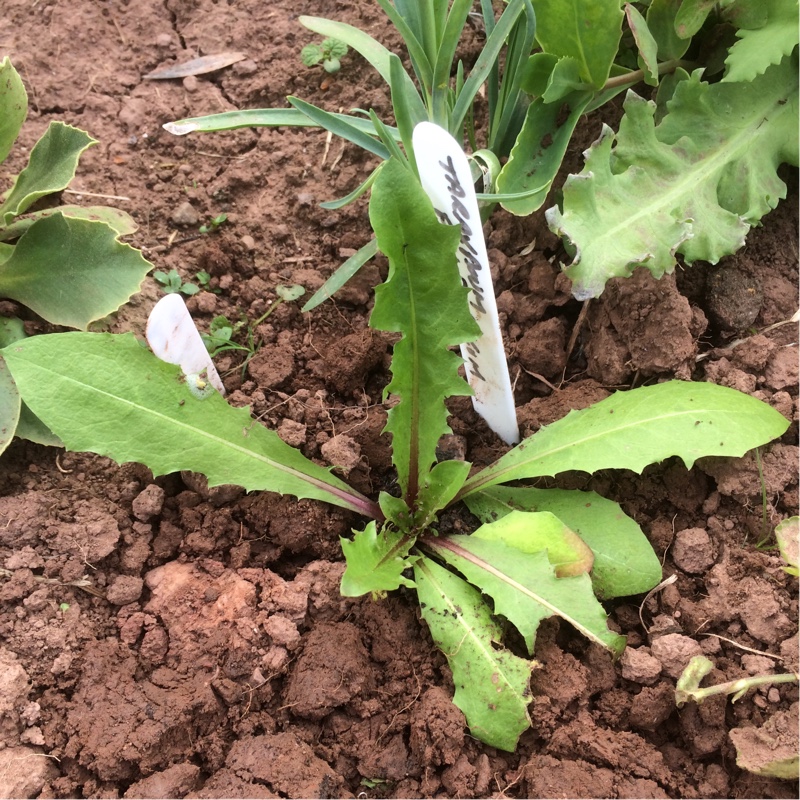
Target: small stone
(757,665)
(782,369)
(293,433)
(639,666)
(773,695)
(248,242)
(148,503)
(124,589)
(693,551)
(185,214)
(674,651)
(343,452)
(164,39)
(190,83)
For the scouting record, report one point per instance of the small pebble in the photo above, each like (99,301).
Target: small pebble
(248,242)
(185,214)
(164,39)
(148,503)
(190,83)
(124,589)
(773,695)
(693,551)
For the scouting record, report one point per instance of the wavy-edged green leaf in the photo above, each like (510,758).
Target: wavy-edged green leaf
(424,300)
(492,685)
(624,560)
(587,30)
(787,534)
(9,406)
(691,15)
(51,166)
(539,150)
(342,275)
(376,561)
(630,430)
(108,394)
(72,271)
(122,223)
(693,184)
(525,589)
(13,106)
(759,48)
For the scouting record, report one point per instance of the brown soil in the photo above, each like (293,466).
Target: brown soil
(161,640)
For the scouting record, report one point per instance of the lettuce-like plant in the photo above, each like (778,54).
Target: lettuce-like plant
(64,263)
(537,553)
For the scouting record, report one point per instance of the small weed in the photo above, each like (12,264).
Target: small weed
(222,333)
(329,53)
(172,282)
(214,224)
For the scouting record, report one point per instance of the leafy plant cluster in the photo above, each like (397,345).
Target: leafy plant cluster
(538,553)
(65,263)
(687,173)
(329,52)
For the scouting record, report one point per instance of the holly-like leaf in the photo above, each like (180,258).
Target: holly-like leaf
(492,685)
(51,166)
(630,430)
(525,589)
(694,184)
(72,271)
(108,394)
(376,561)
(423,299)
(624,561)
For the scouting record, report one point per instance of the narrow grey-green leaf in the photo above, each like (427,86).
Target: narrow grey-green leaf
(492,685)
(72,271)
(108,394)
(630,430)
(624,560)
(51,166)
(343,274)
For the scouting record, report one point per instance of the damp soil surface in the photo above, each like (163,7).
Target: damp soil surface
(160,639)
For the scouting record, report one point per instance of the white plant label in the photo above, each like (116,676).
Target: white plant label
(446,178)
(174,338)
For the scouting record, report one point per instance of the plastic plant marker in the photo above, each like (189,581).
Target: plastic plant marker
(173,337)
(445,177)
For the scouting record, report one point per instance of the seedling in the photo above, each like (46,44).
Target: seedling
(65,263)
(214,224)
(222,332)
(538,553)
(171,282)
(330,53)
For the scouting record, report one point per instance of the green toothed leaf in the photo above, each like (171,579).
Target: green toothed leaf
(424,300)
